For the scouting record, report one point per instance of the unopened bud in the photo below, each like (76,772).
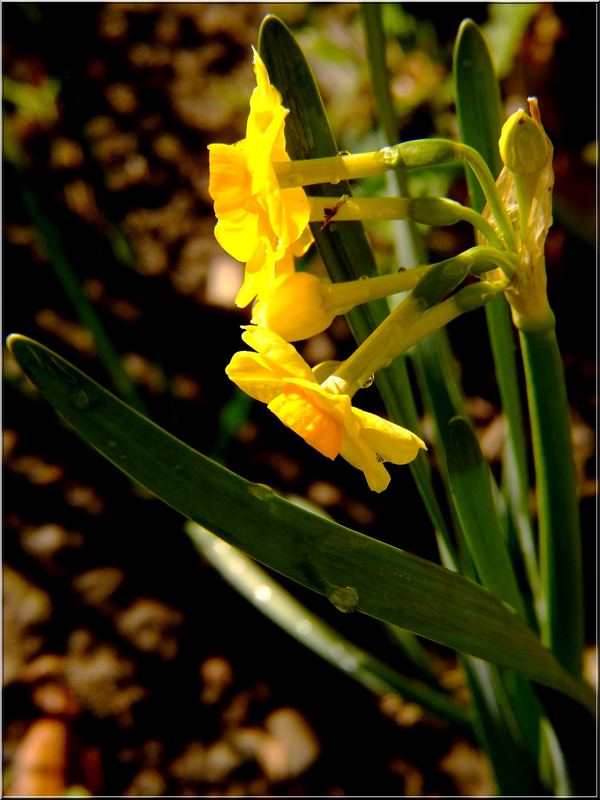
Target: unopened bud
(524,146)
(294,307)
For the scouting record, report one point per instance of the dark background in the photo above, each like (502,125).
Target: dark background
(114,625)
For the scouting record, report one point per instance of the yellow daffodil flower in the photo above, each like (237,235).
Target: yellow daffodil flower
(258,222)
(277,375)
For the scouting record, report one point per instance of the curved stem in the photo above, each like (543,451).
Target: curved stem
(558,507)
(338,298)
(409,155)
(427,210)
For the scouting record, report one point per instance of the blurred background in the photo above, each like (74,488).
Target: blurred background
(130,666)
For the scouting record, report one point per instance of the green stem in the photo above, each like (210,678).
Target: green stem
(467,299)
(558,508)
(409,155)
(340,297)
(417,317)
(516,473)
(427,210)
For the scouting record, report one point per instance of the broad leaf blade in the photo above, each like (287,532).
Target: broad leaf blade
(354,571)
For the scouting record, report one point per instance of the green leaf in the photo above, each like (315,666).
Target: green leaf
(471,488)
(497,729)
(354,571)
(265,594)
(479,113)
(409,244)
(478,105)
(509,719)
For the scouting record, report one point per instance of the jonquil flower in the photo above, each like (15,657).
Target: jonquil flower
(258,222)
(277,375)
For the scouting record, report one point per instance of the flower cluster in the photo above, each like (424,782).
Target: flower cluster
(266,225)
(263,216)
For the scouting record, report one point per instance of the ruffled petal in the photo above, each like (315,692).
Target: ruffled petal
(283,359)
(238,235)
(259,273)
(253,375)
(229,182)
(392,442)
(264,101)
(362,457)
(314,425)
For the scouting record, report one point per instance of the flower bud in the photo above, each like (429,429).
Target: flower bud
(294,307)
(523,144)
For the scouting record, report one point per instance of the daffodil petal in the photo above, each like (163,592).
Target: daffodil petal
(314,425)
(254,376)
(237,235)
(359,455)
(229,182)
(265,98)
(282,357)
(259,223)
(392,442)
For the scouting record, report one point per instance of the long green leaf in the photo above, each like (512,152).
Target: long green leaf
(471,488)
(355,572)
(257,586)
(479,113)
(409,244)
(512,766)
(497,729)
(510,725)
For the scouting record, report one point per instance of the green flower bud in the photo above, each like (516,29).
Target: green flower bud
(524,146)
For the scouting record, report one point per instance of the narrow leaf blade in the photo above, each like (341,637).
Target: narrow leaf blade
(471,489)
(265,594)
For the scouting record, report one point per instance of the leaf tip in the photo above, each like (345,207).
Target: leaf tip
(14,340)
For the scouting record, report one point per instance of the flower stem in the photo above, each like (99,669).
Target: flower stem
(338,298)
(558,508)
(409,155)
(381,347)
(427,210)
